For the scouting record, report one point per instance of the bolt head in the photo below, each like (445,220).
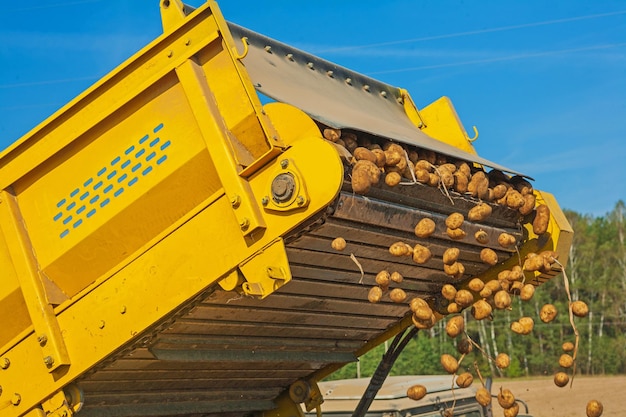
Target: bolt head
(284,163)
(244,223)
(5,363)
(49,361)
(16,399)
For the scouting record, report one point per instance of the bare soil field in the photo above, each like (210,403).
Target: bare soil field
(545,399)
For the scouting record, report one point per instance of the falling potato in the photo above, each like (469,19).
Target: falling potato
(566,361)
(506,399)
(580,308)
(547,313)
(464,298)
(526,292)
(502,300)
(594,408)
(503,360)
(455,326)
(561,379)
(481,310)
(464,380)
(449,363)
(448,291)
(512,411)
(464,346)
(567,346)
(476,284)
(489,256)
(483,396)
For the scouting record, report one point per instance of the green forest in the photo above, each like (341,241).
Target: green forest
(596,272)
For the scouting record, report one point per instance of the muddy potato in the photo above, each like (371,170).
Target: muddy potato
(479,212)
(499,191)
(338,243)
(449,363)
(332,134)
(400,249)
(453,308)
(494,285)
(533,262)
(368,166)
(460,182)
(561,379)
(423,164)
(449,292)
(383,279)
(481,309)
(375,294)
(504,275)
(478,185)
(517,327)
(455,234)
(392,179)
(506,399)
(464,168)
(455,326)
(505,285)
(451,255)
(483,396)
(455,270)
(413,156)
(502,300)
(421,311)
(361,153)
(464,298)
(416,392)
(476,284)
(421,254)
(506,240)
(424,324)
(489,256)
(526,292)
(503,360)
(515,287)
(350,140)
(397,295)
(580,309)
(381,160)
(464,380)
(454,221)
(394,154)
(486,292)
(567,346)
(422,176)
(481,237)
(433,179)
(424,228)
(464,346)
(514,199)
(566,361)
(547,313)
(542,219)
(594,408)
(516,273)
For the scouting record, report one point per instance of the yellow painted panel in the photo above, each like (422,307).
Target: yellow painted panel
(443,123)
(13,313)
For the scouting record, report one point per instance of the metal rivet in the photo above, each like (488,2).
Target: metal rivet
(290,57)
(366,88)
(300,200)
(42,339)
(49,361)
(16,399)
(383,94)
(235,201)
(349,81)
(330,73)
(5,363)
(310,65)
(265,201)
(244,223)
(268,49)
(284,163)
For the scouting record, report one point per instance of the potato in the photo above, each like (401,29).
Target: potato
(381,160)
(503,360)
(547,313)
(455,270)
(413,156)
(424,324)
(489,256)
(499,191)
(448,291)
(516,273)
(429,156)
(420,311)
(483,396)
(421,254)
(424,228)
(567,346)
(594,408)
(397,295)
(521,185)
(455,234)
(505,285)
(527,292)
(502,300)
(454,221)
(494,285)
(332,134)
(368,166)
(476,284)
(361,153)
(400,249)
(360,180)
(512,411)
(455,326)
(580,309)
(392,179)
(464,169)
(534,262)
(527,324)
(506,399)
(350,140)
(464,346)
(561,379)
(451,255)
(504,275)
(486,292)
(517,327)
(481,237)
(422,176)
(433,179)
(423,164)
(479,212)
(464,298)
(416,392)
(338,243)
(396,277)
(394,154)
(375,294)
(542,219)
(453,308)
(529,204)
(514,199)
(451,168)
(516,287)
(481,310)
(478,185)
(460,182)
(464,380)
(506,240)
(566,361)
(449,363)
(383,279)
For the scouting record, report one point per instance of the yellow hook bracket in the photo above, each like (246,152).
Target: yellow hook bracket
(475,135)
(241,56)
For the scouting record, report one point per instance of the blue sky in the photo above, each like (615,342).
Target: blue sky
(544,81)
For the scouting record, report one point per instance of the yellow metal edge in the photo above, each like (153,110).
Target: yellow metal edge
(443,123)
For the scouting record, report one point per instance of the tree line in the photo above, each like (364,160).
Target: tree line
(596,273)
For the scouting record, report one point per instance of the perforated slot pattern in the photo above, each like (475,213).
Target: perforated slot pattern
(109,183)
